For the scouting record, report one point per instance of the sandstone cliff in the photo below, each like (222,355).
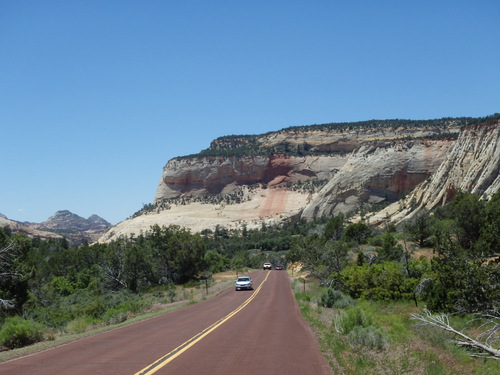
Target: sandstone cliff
(362,163)
(223,175)
(473,165)
(290,155)
(378,172)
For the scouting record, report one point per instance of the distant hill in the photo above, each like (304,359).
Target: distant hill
(64,223)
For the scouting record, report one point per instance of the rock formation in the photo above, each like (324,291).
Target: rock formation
(378,172)
(223,175)
(356,163)
(472,165)
(272,158)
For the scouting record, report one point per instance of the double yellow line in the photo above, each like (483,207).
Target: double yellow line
(163,361)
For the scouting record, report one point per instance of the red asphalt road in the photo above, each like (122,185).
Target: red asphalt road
(257,332)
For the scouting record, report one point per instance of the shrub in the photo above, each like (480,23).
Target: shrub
(360,329)
(121,312)
(115,317)
(52,317)
(80,324)
(335,298)
(171,295)
(370,337)
(346,320)
(17,332)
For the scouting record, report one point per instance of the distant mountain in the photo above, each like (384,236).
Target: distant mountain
(66,220)
(98,222)
(64,223)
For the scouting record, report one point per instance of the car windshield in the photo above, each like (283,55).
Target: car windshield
(243,279)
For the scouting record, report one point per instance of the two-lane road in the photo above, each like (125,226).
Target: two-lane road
(244,332)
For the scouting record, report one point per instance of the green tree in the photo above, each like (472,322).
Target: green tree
(419,228)
(216,262)
(174,254)
(465,280)
(469,212)
(359,232)
(382,281)
(390,249)
(334,229)
(134,266)
(490,234)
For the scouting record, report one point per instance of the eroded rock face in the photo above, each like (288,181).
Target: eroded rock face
(364,164)
(216,175)
(378,172)
(472,165)
(200,175)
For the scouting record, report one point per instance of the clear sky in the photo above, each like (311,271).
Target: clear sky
(97,96)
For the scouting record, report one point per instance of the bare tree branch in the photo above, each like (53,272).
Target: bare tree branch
(482,343)
(111,274)
(6,304)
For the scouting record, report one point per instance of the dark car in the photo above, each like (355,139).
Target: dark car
(278,268)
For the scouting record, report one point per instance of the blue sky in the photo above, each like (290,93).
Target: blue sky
(97,96)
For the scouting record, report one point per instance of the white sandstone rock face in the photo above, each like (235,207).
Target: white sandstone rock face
(328,149)
(376,173)
(473,165)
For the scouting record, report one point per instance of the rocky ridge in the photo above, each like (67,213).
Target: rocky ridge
(25,228)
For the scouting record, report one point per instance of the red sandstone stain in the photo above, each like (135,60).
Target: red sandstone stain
(275,202)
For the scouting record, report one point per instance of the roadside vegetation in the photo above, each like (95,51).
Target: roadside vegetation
(377,337)
(379,300)
(420,299)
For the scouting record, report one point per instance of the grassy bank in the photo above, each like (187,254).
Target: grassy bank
(365,337)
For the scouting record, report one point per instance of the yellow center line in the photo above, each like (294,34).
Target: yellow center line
(158,364)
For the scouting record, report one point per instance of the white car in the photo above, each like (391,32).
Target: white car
(267,266)
(243,282)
